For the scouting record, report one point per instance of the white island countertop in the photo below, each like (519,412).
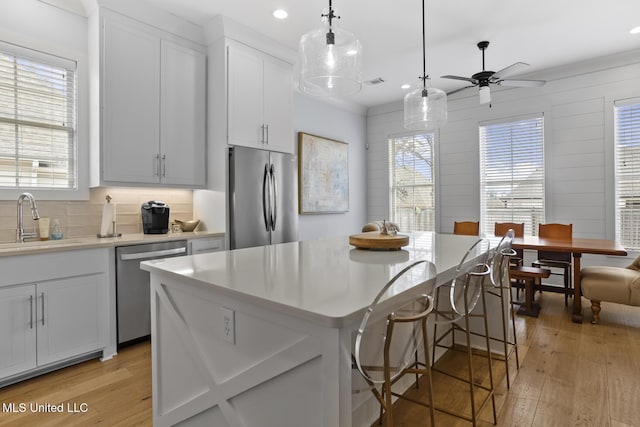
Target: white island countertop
(325,281)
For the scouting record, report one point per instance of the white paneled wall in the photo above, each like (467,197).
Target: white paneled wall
(579,131)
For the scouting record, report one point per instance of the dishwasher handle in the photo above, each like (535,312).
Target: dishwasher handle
(153,254)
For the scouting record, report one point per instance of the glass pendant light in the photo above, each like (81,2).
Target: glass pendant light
(425,108)
(330,60)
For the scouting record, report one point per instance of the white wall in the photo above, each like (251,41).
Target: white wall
(323,119)
(578,118)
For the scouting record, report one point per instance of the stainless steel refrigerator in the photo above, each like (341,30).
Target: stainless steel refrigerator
(263,197)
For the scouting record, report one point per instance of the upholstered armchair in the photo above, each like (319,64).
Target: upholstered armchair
(611,284)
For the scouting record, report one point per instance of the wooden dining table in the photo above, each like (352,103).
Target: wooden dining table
(577,247)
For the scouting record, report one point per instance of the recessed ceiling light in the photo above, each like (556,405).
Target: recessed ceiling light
(280,13)
(635,30)
(405,86)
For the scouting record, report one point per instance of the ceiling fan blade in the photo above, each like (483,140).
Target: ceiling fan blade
(458,90)
(466,79)
(507,71)
(521,83)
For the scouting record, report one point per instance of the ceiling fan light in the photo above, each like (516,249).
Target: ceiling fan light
(330,62)
(425,112)
(485,94)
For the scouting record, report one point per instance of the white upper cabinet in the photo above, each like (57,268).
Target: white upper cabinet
(152,106)
(131,102)
(260,99)
(182,115)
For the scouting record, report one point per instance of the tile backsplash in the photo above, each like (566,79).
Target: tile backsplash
(83,218)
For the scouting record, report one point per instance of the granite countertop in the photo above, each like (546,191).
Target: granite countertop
(87,242)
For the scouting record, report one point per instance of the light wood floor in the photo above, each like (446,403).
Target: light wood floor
(570,375)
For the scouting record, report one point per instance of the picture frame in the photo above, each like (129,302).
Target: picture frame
(323,175)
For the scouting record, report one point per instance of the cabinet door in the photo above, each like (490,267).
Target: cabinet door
(69,317)
(278,105)
(17,330)
(244,97)
(182,110)
(131,101)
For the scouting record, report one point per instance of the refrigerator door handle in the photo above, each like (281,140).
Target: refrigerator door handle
(274,187)
(266,198)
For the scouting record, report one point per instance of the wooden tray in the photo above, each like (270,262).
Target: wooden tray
(377,241)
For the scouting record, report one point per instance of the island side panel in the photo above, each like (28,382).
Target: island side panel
(281,370)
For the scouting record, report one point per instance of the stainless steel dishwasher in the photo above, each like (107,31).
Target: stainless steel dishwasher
(132,287)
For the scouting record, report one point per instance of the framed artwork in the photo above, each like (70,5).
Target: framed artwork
(323,175)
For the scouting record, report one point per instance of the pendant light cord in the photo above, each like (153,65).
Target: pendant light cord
(424,54)
(330,16)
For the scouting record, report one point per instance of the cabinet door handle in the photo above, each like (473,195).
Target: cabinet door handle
(267,138)
(42,296)
(164,165)
(156,165)
(30,311)
(262,133)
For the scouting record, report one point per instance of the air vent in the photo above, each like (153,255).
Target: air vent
(375,81)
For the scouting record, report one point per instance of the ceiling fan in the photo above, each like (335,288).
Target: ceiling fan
(485,78)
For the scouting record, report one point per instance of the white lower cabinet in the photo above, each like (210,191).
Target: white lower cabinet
(52,320)
(67,323)
(17,330)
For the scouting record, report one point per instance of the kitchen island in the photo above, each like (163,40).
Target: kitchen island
(263,336)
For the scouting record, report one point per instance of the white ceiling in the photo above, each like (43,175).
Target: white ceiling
(543,33)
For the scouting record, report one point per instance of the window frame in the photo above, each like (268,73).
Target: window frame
(433,161)
(487,222)
(58,55)
(616,197)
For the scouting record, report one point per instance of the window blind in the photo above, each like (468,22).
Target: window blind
(37,120)
(627,173)
(512,174)
(411,182)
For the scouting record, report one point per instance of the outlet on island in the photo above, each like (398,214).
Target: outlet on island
(228,325)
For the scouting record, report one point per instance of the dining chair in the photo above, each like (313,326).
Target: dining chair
(501,288)
(466,228)
(455,305)
(558,260)
(392,338)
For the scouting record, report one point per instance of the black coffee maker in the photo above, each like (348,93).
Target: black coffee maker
(155,217)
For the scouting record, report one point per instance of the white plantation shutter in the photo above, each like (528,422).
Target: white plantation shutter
(37,120)
(411,182)
(512,173)
(627,142)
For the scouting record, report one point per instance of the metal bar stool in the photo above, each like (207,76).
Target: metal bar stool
(392,337)
(455,311)
(501,288)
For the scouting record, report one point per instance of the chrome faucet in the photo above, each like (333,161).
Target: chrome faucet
(20,233)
